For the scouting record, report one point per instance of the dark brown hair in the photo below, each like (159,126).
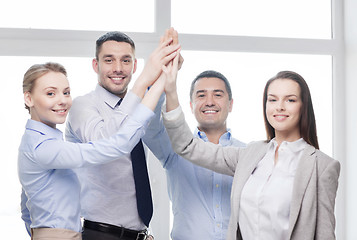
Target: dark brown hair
(307,122)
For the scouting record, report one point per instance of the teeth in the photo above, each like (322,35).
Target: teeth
(209,111)
(60,111)
(117,78)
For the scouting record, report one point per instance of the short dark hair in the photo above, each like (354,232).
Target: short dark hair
(212,74)
(113,36)
(307,122)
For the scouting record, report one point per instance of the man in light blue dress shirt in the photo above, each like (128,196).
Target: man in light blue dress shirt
(200,197)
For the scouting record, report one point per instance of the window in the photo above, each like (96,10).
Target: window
(275,18)
(109,15)
(247,41)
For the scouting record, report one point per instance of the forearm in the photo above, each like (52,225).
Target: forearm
(157,140)
(172,101)
(205,154)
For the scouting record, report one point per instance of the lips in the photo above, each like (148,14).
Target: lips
(209,111)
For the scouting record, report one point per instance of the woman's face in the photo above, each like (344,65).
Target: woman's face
(50,99)
(283,109)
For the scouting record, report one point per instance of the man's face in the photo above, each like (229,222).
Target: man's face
(115,66)
(210,104)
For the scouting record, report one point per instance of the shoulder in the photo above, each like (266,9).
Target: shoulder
(326,163)
(257,144)
(254,148)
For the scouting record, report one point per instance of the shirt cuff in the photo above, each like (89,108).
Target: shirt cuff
(173,114)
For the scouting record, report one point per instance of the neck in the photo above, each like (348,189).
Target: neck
(280,137)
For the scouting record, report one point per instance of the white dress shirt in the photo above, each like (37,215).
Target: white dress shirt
(265,201)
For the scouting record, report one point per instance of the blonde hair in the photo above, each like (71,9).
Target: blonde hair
(36,71)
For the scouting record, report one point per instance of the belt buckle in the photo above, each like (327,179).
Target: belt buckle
(141,236)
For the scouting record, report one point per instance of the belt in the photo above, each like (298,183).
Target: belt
(121,232)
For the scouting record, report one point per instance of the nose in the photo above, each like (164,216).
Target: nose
(117,67)
(64,100)
(281,106)
(210,100)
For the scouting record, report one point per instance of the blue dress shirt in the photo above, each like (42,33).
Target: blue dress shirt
(50,187)
(200,197)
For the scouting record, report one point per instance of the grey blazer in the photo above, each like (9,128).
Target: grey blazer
(315,184)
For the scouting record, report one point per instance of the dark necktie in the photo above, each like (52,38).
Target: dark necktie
(141,180)
(142,184)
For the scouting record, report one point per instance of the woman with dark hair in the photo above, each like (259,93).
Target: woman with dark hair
(283,187)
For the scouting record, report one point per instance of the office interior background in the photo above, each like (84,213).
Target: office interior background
(247,41)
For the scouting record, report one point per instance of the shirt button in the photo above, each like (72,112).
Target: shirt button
(218,225)
(217,206)
(217,185)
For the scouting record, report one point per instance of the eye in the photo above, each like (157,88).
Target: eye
(108,60)
(271,100)
(291,100)
(67,93)
(50,94)
(200,95)
(127,61)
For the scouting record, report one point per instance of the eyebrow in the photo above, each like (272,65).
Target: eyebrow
(111,55)
(290,95)
(215,91)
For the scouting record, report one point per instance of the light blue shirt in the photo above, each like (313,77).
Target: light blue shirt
(200,197)
(50,187)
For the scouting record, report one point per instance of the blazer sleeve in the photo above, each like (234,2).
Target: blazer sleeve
(206,154)
(326,190)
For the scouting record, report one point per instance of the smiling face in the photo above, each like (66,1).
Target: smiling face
(283,109)
(115,66)
(49,100)
(210,104)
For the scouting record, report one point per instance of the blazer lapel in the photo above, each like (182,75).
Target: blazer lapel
(302,177)
(245,168)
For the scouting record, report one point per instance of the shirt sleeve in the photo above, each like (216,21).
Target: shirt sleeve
(327,189)
(157,140)
(206,154)
(57,154)
(86,123)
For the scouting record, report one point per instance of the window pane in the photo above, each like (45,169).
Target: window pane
(248,73)
(274,18)
(79,15)
(82,80)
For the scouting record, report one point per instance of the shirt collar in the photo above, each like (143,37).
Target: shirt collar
(44,129)
(225,138)
(295,146)
(107,97)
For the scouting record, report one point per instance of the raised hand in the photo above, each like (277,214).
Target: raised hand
(160,57)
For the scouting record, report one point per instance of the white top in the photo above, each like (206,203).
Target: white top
(266,196)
